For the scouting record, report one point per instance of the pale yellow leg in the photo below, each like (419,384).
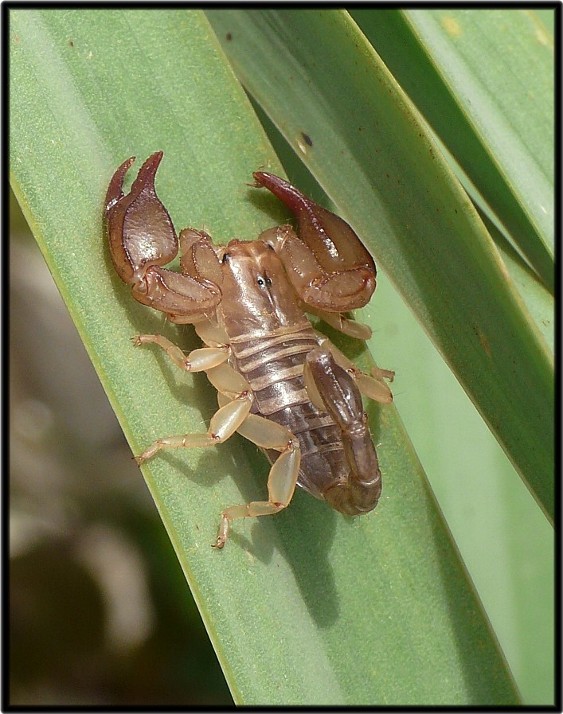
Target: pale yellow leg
(348,327)
(381,374)
(235,400)
(281,480)
(224,422)
(211,334)
(227,382)
(311,387)
(196,361)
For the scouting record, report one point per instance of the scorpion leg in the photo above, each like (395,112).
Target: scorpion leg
(358,490)
(199,360)
(224,422)
(343,324)
(282,478)
(326,262)
(142,239)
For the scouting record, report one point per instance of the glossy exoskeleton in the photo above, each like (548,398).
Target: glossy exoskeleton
(281,384)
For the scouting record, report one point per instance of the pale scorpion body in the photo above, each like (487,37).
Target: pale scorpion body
(281,384)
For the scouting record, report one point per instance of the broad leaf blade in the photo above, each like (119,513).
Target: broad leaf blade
(374,158)
(304,607)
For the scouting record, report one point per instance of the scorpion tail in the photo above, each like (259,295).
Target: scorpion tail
(359,489)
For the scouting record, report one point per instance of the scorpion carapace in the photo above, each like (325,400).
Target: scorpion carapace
(280,383)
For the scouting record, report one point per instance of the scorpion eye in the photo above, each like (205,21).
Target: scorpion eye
(260,282)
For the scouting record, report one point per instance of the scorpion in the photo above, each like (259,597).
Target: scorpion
(281,384)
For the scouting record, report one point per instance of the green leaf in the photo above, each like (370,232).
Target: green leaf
(304,607)
(363,141)
(484,81)
(537,300)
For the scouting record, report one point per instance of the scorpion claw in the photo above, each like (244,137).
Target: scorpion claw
(142,239)
(114,192)
(327,263)
(139,228)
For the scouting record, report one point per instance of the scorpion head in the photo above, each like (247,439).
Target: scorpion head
(257,294)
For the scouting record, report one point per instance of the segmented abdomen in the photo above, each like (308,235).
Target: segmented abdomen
(274,368)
